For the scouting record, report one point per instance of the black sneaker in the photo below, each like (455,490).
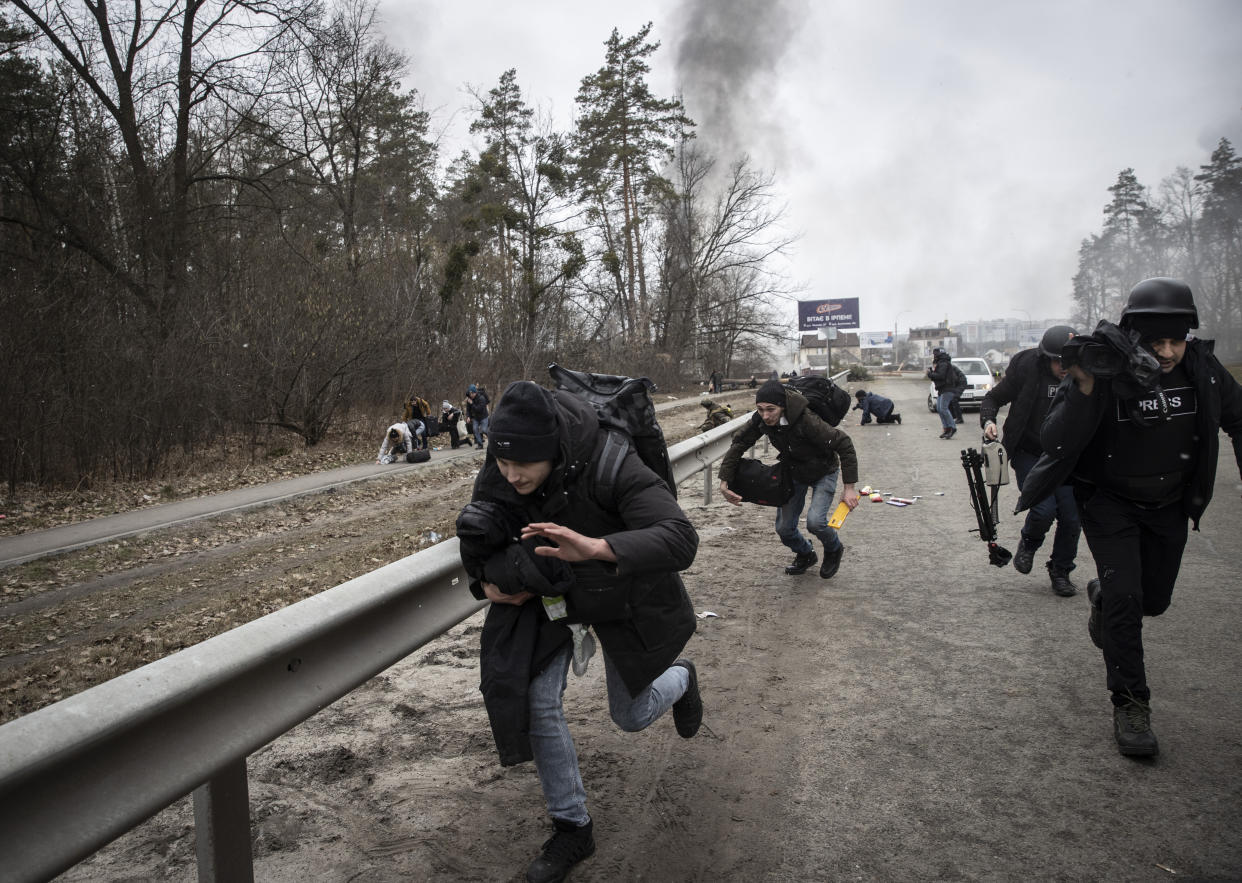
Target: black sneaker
(802,563)
(832,562)
(1061,582)
(958,420)
(1024,557)
(1132,727)
(568,846)
(1093,621)
(688,710)
(949,433)
(897,419)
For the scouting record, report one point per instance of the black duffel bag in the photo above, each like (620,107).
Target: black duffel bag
(757,482)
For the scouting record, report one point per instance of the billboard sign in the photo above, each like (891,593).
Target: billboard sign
(875,340)
(1029,337)
(841,312)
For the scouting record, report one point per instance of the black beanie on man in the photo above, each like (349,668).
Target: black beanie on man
(523,426)
(772,393)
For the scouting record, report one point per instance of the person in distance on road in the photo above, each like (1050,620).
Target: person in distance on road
(1142,461)
(950,382)
(619,544)
(449,416)
(476,406)
(717,415)
(874,403)
(1028,388)
(398,441)
(814,451)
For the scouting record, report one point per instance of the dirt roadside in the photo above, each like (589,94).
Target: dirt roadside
(71,621)
(920,716)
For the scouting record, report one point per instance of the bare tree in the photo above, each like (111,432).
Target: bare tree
(158,71)
(722,236)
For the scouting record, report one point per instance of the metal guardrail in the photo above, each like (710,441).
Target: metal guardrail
(77,774)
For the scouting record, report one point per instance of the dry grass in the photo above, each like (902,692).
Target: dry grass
(231,463)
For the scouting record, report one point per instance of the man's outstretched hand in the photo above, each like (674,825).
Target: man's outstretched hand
(570,545)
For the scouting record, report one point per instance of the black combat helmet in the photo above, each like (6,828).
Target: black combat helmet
(1054,339)
(1160,296)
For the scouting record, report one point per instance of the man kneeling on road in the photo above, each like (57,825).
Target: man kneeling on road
(812,450)
(554,545)
(874,403)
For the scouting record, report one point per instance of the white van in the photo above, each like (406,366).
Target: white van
(979,380)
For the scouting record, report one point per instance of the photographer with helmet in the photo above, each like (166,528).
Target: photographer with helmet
(1140,439)
(1028,387)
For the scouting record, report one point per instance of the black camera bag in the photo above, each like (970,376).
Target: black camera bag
(757,482)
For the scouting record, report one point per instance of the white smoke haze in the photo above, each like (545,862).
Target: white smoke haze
(941,160)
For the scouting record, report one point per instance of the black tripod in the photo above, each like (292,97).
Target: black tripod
(985,508)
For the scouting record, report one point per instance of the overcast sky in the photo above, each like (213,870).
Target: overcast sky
(939,159)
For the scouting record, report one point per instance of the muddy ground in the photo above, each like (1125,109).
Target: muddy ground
(920,716)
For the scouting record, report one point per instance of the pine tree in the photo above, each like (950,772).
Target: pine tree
(1222,232)
(625,134)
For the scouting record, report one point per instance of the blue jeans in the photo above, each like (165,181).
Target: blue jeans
(1058,505)
(787,516)
(480,427)
(556,759)
(943,407)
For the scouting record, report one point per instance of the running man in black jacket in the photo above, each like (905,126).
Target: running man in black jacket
(620,540)
(1141,466)
(1028,388)
(815,453)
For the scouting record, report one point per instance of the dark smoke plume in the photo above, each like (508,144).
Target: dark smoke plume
(728,67)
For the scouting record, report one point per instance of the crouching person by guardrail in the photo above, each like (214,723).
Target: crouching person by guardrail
(563,542)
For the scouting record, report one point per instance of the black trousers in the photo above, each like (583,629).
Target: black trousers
(1137,553)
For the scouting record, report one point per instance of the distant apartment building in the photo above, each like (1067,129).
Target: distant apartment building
(1023,332)
(924,340)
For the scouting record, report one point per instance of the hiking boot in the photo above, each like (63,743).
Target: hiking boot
(1093,621)
(802,563)
(1061,582)
(832,562)
(1024,557)
(1132,727)
(897,419)
(564,849)
(688,710)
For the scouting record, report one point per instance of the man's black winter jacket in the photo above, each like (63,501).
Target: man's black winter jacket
(1025,380)
(1074,419)
(650,614)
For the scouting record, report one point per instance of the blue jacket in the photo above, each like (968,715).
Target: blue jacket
(874,403)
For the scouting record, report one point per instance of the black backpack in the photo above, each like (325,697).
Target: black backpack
(830,402)
(626,411)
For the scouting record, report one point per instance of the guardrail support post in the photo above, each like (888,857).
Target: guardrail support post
(707,485)
(222,827)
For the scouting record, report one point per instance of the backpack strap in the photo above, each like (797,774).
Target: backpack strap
(616,446)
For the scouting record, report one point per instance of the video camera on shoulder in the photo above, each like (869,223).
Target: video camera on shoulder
(1110,352)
